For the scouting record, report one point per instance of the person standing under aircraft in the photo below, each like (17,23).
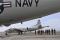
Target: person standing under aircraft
(49,31)
(27,28)
(35,32)
(41,32)
(45,31)
(38,32)
(54,32)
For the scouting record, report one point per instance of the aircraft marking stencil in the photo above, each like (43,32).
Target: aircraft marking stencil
(19,3)
(4,5)
(1,6)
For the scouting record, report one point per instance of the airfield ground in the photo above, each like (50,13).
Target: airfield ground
(30,36)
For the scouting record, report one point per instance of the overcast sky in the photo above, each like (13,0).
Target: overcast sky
(53,21)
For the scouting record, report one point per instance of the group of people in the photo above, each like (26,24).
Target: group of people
(46,32)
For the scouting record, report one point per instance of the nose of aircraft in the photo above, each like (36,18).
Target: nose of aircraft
(1,6)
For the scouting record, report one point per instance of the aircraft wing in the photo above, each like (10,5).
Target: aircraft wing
(18,14)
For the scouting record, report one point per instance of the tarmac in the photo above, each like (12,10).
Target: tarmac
(29,36)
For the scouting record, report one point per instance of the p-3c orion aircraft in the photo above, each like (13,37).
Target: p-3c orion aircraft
(21,30)
(14,11)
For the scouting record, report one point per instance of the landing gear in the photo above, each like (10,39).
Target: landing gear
(20,33)
(6,34)
(21,22)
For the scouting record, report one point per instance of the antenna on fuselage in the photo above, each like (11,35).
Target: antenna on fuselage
(38,22)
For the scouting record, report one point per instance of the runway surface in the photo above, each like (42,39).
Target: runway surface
(29,36)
